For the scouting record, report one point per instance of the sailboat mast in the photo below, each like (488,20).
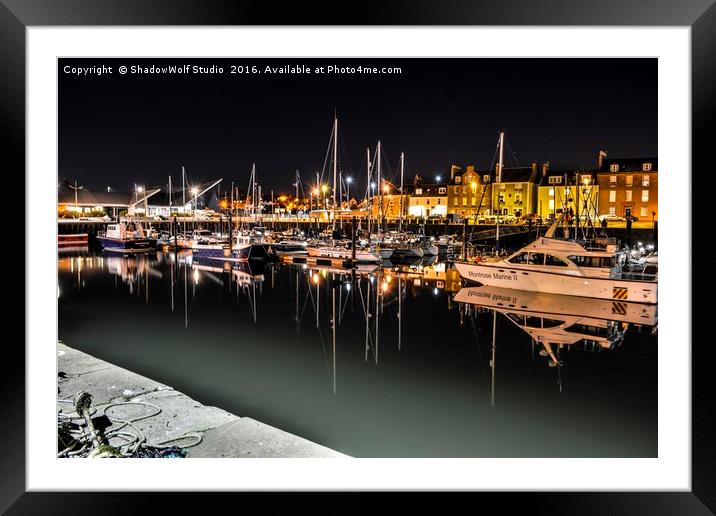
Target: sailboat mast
(298,181)
(370,206)
(402,167)
(499,208)
(183,196)
(380,188)
(170,194)
(335,166)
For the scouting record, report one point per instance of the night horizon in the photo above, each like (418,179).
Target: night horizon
(118,130)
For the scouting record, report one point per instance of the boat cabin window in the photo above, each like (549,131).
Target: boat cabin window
(553,261)
(593,261)
(519,258)
(536,259)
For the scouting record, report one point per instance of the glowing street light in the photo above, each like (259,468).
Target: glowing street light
(349,180)
(438,178)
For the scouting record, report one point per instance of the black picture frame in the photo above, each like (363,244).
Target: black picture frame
(699,15)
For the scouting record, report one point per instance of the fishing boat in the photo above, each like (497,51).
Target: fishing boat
(126,237)
(586,268)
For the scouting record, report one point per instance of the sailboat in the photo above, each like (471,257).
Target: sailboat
(333,249)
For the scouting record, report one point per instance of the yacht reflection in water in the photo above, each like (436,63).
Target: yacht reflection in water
(555,322)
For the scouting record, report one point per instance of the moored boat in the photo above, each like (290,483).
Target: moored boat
(593,268)
(126,237)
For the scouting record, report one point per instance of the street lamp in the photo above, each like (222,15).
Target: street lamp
(194,192)
(324,189)
(349,180)
(438,178)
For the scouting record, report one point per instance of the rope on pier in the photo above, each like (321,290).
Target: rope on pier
(77,436)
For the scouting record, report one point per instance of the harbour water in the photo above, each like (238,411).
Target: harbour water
(407,370)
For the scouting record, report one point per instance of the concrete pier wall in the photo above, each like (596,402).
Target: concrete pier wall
(222,434)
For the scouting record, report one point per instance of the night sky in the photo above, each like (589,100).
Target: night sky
(119,130)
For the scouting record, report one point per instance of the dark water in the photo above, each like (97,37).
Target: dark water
(429,383)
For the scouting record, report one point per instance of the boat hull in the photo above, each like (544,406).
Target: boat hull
(343,254)
(131,245)
(499,275)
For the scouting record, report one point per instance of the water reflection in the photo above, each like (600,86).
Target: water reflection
(555,322)
(382,360)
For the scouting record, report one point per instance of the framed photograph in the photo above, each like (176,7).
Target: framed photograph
(419,253)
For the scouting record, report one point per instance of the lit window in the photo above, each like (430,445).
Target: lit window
(418,191)
(612,210)
(458,179)
(614,167)
(628,195)
(612,196)
(502,186)
(555,180)
(551,194)
(645,196)
(629,180)
(612,180)
(464,189)
(455,190)
(441,190)
(551,204)
(464,201)
(454,201)
(645,180)
(644,211)
(646,167)
(473,201)
(486,178)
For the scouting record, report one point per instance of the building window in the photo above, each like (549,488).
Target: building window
(473,201)
(645,196)
(551,193)
(458,179)
(518,186)
(612,210)
(612,180)
(628,196)
(486,178)
(464,189)
(455,190)
(427,202)
(441,190)
(614,167)
(418,191)
(551,204)
(646,167)
(644,211)
(612,196)
(645,180)
(555,180)
(464,201)
(454,201)
(438,201)
(629,180)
